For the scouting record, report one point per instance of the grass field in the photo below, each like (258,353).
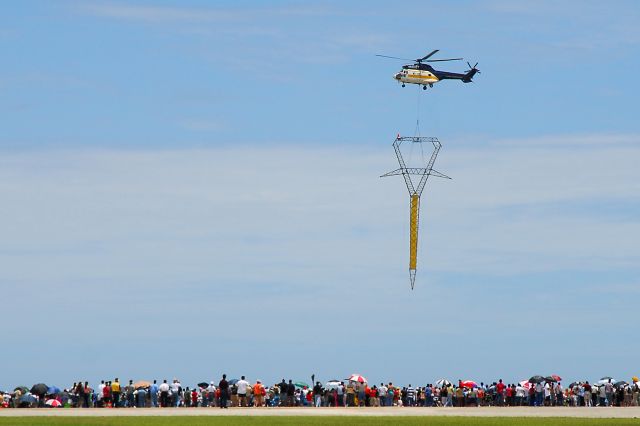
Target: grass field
(315,421)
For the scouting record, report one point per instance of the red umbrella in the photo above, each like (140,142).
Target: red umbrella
(556,377)
(357,378)
(468,384)
(53,403)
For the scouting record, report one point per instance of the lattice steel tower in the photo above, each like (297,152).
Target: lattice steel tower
(415,191)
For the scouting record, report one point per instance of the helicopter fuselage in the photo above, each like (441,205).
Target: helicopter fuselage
(424,75)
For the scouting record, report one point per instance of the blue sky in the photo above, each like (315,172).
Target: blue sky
(191,188)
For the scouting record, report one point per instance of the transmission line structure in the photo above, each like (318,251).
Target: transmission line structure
(415,191)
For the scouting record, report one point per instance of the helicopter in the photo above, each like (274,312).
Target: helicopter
(424,74)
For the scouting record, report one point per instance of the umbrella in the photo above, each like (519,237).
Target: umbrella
(572,384)
(39,389)
(53,390)
(22,389)
(203,385)
(332,384)
(301,384)
(442,382)
(620,384)
(357,378)
(635,379)
(141,384)
(525,384)
(468,384)
(552,378)
(53,403)
(233,382)
(605,380)
(536,379)
(28,399)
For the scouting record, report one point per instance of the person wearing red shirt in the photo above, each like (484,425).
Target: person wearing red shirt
(500,392)
(106,395)
(509,395)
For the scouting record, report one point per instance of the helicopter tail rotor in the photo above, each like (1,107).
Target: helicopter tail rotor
(472,71)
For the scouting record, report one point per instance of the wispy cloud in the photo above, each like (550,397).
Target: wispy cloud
(159,14)
(576,140)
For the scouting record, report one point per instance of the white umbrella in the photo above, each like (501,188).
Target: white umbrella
(605,380)
(442,382)
(332,384)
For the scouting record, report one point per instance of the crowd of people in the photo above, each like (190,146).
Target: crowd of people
(537,391)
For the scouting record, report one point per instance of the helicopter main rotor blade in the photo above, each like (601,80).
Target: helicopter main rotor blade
(443,60)
(394,57)
(428,56)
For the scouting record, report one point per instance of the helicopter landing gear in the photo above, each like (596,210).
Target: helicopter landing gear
(402,84)
(424,87)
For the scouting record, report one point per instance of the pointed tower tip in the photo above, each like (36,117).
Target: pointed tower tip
(412,277)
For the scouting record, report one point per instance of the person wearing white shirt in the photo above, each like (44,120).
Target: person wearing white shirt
(559,394)
(164,393)
(100,394)
(520,394)
(211,393)
(242,387)
(176,389)
(382,392)
(539,394)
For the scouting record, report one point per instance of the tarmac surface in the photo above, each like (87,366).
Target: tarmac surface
(581,412)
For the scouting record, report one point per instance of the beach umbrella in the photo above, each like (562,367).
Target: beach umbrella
(332,384)
(203,385)
(53,403)
(357,378)
(233,382)
(468,384)
(605,380)
(442,382)
(620,384)
(141,384)
(301,384)
(53,390)
(536,379)
(22,389)
(28,399)
(553,378)
(39,389)
(525,384)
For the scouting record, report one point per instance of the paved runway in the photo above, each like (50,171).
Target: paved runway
(595,412)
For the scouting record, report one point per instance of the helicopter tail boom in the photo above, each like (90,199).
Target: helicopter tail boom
(469,75)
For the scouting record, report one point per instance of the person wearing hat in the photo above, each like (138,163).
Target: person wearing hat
(211,394)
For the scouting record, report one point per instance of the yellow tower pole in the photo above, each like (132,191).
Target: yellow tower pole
(413,237)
